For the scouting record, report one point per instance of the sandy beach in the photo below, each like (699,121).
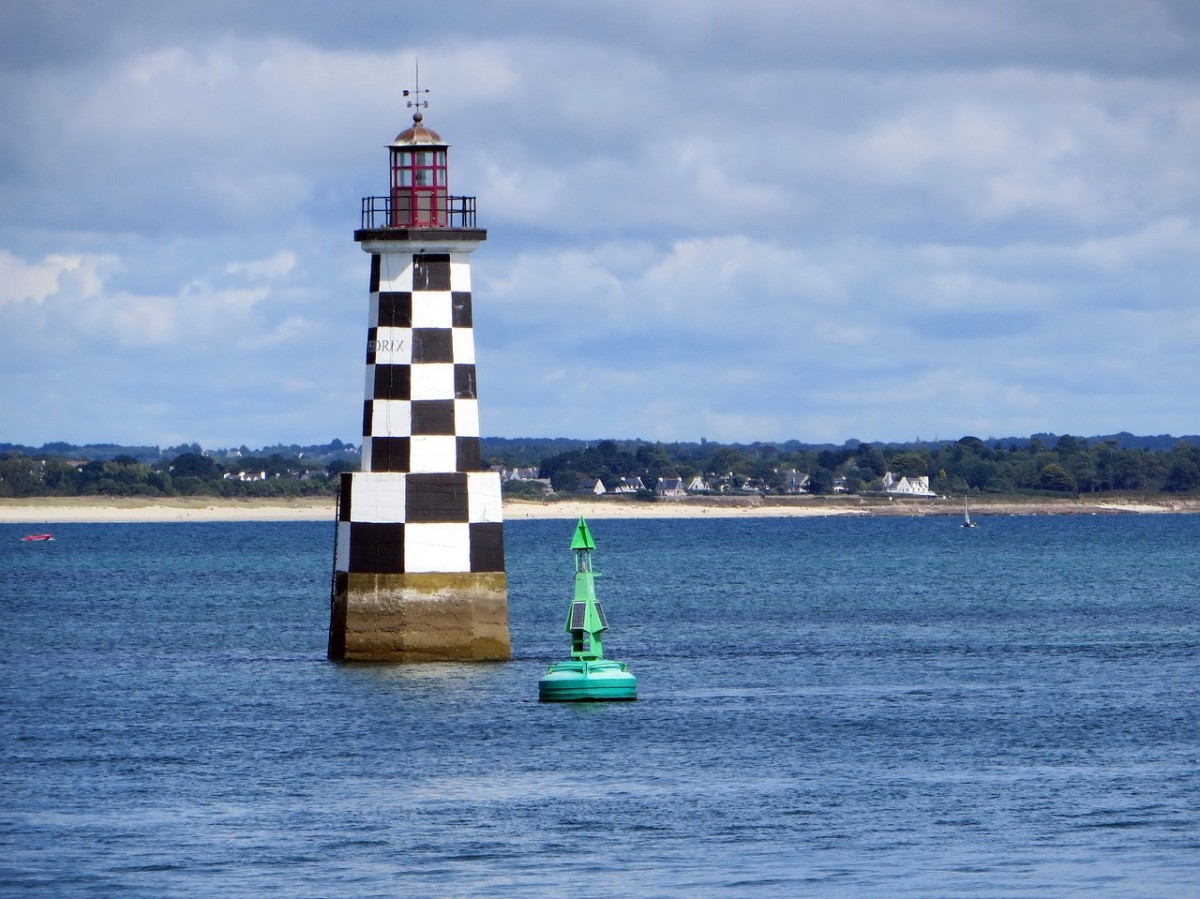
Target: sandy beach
(50,510)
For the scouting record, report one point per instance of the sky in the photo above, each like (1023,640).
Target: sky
(880,220)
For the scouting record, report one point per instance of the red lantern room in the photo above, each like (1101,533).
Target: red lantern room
(420,183)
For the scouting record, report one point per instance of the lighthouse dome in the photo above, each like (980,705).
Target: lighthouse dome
(418,134)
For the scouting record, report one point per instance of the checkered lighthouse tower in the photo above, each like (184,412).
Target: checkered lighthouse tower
(419,560)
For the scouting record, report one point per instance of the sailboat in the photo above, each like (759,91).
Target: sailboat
(967,522)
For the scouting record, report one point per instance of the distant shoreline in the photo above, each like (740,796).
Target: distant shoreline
(51,510)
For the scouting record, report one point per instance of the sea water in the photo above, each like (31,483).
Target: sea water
(827,707)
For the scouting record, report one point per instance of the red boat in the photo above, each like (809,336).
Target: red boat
(38,537)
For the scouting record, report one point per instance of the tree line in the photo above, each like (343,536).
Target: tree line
(188,474)
(1064,465)
(1070,465)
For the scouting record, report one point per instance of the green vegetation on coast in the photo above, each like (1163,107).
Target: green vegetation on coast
(183,471)
(1042,465)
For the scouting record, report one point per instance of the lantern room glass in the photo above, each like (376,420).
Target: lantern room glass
(419,187)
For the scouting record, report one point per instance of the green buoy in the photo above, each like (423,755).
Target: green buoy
(588,675)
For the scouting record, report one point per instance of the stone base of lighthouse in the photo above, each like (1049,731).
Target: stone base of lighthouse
(420,617)
(419,569)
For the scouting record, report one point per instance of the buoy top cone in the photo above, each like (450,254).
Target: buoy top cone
(583,537)
(588,675)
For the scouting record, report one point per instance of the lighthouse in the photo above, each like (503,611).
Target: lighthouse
(419,556)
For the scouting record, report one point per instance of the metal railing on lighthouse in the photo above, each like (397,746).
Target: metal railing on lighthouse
(384,212)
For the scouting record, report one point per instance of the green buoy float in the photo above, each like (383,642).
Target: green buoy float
(588,675)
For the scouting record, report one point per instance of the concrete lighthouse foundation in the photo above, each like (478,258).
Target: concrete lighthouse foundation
(419,560)
(420,618)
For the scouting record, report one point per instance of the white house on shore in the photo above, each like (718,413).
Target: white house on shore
(904,486)
(592,485)
(628,485)
(245,476)
(515,474)
(794,481)
(670,487)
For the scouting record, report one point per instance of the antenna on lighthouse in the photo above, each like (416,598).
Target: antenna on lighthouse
(415,93)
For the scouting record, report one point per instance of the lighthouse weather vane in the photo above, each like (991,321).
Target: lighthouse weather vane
(415,93)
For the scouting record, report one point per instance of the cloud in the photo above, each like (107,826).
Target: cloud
(818,220)
(289,332)
(22,281)
(71,301)
(274,266)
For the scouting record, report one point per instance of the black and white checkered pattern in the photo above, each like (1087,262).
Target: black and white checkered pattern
(420,503)
(401,524)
